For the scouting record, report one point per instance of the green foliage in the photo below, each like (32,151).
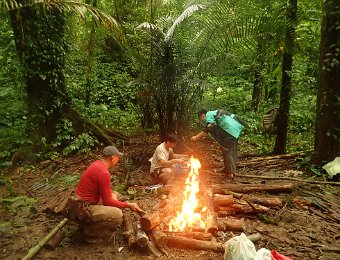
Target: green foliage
(4,181)
(19,203)
(266,219)
(66,134)
(12,97)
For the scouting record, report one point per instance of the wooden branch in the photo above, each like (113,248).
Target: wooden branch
(160,237)
(228,224)
(55,240)
(223,200)
(141,237)
(288,178)
(211,216)
(129,229)
(190,243)
(153,249)
(33,251)
(281,156)
(235,208)
(246,188)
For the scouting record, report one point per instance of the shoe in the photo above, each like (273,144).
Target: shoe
(229,175)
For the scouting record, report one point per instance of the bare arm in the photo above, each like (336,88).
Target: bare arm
(198,136)
(171,162)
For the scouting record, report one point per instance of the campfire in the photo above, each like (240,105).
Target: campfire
(188,219)
(192,213)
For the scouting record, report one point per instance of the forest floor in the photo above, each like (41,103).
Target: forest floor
(294,230)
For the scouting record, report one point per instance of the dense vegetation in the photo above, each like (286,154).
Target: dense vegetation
(69,72)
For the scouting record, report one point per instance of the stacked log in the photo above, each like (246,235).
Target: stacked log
(134,233)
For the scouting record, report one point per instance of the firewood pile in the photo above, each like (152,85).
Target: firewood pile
(226,206)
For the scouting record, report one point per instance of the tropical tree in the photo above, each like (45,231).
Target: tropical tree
(327,127)
(167,72)
(287,61)
(38,28)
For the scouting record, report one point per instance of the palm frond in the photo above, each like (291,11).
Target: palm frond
(147,25)
(69,6)
(186,13)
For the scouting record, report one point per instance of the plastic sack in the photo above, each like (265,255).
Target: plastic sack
(278,256)
(263,254)
(239,248)
(333,167)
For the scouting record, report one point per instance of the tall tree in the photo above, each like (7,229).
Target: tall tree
(39,38)
(287,61)
(327,127)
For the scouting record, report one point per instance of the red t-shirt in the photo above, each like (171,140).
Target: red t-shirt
(95,184)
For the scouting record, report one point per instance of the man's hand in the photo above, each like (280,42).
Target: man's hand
(194,138)
(134,207)
(181,160)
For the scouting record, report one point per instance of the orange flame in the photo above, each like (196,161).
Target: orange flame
(188,218)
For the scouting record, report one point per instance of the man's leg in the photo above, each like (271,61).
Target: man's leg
(230,157)
(166,176)
(104,218)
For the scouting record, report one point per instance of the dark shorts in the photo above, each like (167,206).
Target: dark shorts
(155,174)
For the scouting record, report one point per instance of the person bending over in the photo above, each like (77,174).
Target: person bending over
(225,128)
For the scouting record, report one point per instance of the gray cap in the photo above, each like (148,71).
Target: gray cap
(111,150)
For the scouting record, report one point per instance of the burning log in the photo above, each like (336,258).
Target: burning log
(151,220)
(246,188)
(228,224)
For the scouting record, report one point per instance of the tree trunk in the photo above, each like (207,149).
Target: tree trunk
(41,47)
(327,127)
(257,88)
(282,122)
(89,65)
(40,44)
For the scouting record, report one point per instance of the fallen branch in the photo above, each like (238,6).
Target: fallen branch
(228,224)
(33,251)
(190,243)
(55,240)
(288,178)
(246,188)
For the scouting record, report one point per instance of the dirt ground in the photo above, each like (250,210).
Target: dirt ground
(295,230)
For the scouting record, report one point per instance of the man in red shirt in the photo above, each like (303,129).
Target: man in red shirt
(94,188)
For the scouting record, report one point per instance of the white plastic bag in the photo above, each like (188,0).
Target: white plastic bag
(263,254)
(239,248)
(333,167)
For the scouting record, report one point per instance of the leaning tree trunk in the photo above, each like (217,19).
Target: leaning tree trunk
(327,128)
(41,47)
(282,122)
